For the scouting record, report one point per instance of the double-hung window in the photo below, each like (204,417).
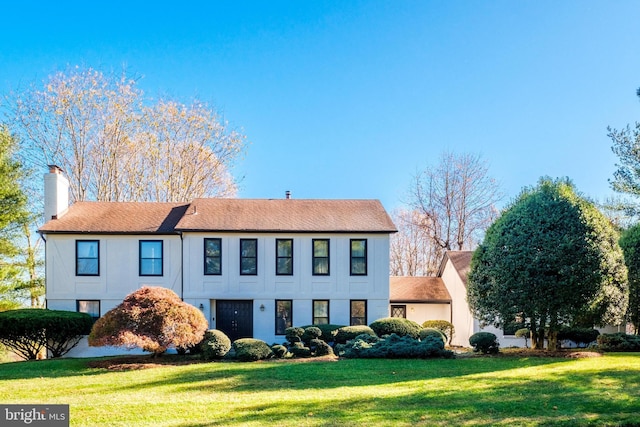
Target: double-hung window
(87,258)
(358,257)
(248,257)
(320,257)
(91,307)
(151,257)
(320,312)
(213,257)
(284,257)
(358,312)
(284,315)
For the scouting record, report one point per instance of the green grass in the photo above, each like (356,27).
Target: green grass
(461,392)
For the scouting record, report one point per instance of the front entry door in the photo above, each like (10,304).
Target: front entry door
(235,318)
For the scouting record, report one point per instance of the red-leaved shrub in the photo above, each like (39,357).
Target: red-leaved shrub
(152,318)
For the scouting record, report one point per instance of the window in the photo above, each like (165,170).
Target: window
(399,311)
(91,307)
(320,312)
(358,257)
(150,257)
(212,256)
(320,257)
(358,312)
(284,257)
(87,258)
(248,257)
(284,314)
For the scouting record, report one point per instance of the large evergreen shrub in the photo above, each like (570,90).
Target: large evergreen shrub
(618,342)
(396,325)
(251,349)
(484,342)
(215,345)
(347,333)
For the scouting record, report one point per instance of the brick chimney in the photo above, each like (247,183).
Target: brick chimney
(56,193)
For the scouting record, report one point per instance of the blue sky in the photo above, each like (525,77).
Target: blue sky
(349,99)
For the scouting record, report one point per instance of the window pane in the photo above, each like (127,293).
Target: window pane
(321,266)
(87,266)
(92,308)
(358,266)
(87,249)
(358,248)
(283,316)
(285,266)
(320,248)
(212,266)
(248,248)
(151,267)
(284,248)
(248,266)
(358,312)
(212,247)
(321,308)
(151,250)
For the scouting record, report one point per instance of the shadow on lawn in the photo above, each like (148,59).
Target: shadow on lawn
(608,397)
(51,368)
(276,376)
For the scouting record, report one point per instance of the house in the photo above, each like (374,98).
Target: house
(254,267)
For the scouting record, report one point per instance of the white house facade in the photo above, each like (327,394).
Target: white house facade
(254,267)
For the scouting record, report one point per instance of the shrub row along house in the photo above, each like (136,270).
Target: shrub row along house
(254,267)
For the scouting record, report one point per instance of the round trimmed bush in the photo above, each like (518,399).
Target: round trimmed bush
(215,345)
(484,342)
(299,350)
(328,331)
(320,348)
(432,332)
(396,325)
(347,333)
(293,334)
(251,349)
(311,333)
(443,326)
(580,336)
(279,351)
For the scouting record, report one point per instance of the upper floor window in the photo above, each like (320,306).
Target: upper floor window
(91,307)
(284,315)
(87,258)
(284,257)
(321,312)
(358,257)
(358,312)
(320,257)
(212,256)
(151,257)
(248,257)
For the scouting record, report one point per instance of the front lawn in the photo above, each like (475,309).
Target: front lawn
(467,391)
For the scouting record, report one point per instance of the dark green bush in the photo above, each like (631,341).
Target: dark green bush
(347,333)
(432,332)
(320,348)
(251,349)
(279,351)
(328,331)
(299,350)
(443,326)
(523,333)
(396,325)
(618,342)
(581,336)
(311,333)
(28,331)
(293,335)
(484,342)
(394,346)
(215,345)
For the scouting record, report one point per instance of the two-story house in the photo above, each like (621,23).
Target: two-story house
(254,267)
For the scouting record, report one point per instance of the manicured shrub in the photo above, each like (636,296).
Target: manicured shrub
(443,326)
(581,336)
(618,342)
(320,348)
(328,331)
(215,345)
(394,346)
(299,350)
(484,342)
(310,333)
(28,331)
(152,318)
(523,333)
(396,325)
(432,332)
(347,333)
(279,351)
(293,335)
(251,349)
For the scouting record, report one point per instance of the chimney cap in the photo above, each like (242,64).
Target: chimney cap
(55,169)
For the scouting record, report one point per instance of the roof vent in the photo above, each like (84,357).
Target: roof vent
(287,194)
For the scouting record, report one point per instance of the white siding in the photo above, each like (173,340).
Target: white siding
(461,317)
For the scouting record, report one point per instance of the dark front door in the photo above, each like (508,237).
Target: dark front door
(235,318)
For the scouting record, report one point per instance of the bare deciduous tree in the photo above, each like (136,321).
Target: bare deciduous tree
(456,200)
(116,145)
(411,250)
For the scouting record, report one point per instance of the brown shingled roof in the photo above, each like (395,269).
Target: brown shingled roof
(276,215)
(118,217)
(418,289)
